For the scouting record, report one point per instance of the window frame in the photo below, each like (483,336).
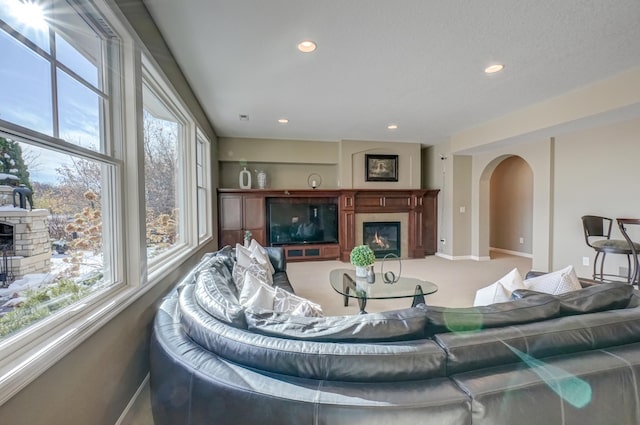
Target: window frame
(31,351)
(207,234)
(42,344)
(164,92)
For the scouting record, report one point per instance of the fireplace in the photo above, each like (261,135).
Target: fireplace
(383,237)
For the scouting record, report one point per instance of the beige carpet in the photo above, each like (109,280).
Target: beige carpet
(457,280)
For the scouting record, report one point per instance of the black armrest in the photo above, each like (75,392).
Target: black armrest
(277,258)
(584,282)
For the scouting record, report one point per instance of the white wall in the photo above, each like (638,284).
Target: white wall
(596,172)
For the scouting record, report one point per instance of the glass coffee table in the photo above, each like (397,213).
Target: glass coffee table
(344,282)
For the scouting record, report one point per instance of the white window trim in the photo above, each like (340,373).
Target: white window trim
(48,341)
(207,235)
(28,354)
(164,91)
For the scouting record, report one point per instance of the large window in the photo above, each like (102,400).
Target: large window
(56,244)
(71,159)
(165,173)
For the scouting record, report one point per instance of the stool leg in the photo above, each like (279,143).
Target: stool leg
(595,261)
(604,255)
(629,270)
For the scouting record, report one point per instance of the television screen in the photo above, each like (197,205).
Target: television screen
(302,221)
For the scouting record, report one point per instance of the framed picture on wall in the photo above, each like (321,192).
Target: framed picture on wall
(381,168)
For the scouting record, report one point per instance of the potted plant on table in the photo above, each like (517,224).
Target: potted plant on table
(362,257)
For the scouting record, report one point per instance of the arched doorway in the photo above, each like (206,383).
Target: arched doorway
(538,156)
(511,207)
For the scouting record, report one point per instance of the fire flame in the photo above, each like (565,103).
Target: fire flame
(380,242)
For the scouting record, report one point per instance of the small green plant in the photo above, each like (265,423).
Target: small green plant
(40,303)
(362,256)
(247,235)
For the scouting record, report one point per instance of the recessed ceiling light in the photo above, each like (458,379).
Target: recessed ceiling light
(392,126)
(307,46)
(492,69)
(283,121)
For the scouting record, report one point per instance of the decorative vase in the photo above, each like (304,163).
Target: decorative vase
(245,179)
(262,179)
(361,271)
(371,275)
(247,242)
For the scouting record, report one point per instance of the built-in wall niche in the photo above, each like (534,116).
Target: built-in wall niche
(279,175)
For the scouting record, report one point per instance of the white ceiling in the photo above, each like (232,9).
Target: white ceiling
(417,63)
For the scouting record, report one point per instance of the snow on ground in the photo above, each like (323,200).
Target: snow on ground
(14,294)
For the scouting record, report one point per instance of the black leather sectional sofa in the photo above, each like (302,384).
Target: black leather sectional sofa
(539,359)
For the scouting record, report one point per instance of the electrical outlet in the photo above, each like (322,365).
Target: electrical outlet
(443,241)
(521,240)
(585,261)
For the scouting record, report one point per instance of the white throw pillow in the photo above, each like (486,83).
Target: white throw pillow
(261,254)
(555,283)
(245,258)
(254,268)
(501,290)
(286,302)
(256,293)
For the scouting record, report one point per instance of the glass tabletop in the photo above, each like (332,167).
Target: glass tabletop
(353,287)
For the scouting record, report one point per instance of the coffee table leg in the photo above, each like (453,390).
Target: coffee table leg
(418,296)
(362,303)
(347,283)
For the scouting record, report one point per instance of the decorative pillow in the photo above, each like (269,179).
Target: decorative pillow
(558,282)
(255,269)
(246,257)
(256,293)
(499,291)
(261,254)
(286,302)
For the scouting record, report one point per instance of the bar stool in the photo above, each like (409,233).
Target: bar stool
(597,234)
(634,246)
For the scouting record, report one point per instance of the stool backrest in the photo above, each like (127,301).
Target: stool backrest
(596,226)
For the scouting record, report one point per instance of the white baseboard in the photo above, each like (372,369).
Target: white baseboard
(454,258)
(516,253)
(132,402)
(475,257)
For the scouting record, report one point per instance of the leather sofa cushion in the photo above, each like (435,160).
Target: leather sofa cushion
(562,335)
(345,361)
(217,295)
(395,325)
(591,299)
(221,258)
(281,280)
(593,387)
(525,310)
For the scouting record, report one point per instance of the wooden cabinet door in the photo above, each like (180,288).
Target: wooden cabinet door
(230,212)
(254,212)
(255,218)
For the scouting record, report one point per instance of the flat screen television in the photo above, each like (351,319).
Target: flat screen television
(295,221)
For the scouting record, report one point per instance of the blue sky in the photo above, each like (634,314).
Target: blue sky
(25,90)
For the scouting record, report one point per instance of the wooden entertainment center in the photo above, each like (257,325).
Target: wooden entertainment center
(242,210)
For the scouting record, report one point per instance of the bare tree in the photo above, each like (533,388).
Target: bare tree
(160,162)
